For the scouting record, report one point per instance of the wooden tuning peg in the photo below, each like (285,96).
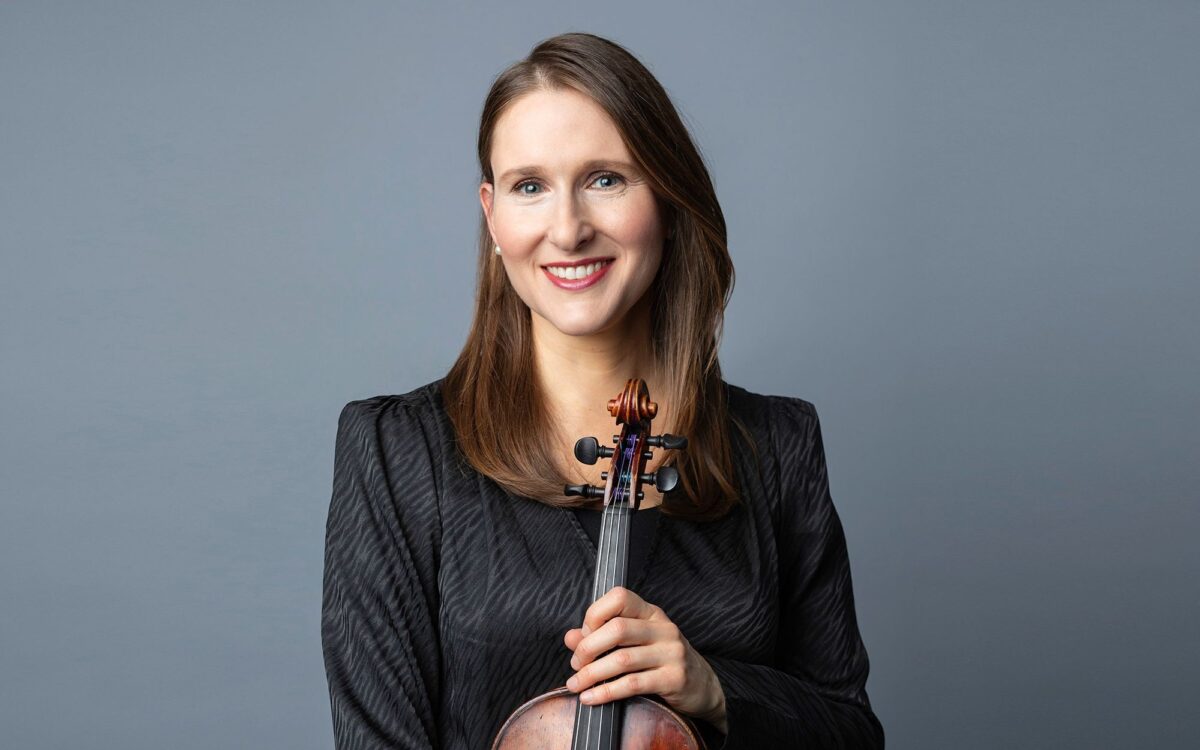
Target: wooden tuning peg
(670,442)
(665,479)
(588,449)
(583,490)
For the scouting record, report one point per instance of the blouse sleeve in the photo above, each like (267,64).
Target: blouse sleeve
(378,616)
(814,696)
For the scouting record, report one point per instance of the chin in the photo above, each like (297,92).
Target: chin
(578,325)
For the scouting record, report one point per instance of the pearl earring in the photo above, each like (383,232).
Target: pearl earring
(497,249)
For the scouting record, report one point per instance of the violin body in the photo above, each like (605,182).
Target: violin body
(557,720)
(547,721)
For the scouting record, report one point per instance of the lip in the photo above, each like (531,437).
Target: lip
(582,262)
(576,284)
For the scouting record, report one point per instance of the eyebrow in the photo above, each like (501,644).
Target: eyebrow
(531,170)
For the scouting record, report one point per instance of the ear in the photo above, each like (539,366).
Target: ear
(487,195)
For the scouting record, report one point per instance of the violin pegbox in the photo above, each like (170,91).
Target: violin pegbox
(634,410)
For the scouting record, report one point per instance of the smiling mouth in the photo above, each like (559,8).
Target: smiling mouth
(577,275)
(579,270)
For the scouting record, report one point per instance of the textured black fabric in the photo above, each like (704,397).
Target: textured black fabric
(641,535)
(446,598)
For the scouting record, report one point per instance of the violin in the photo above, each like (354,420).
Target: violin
(553,719)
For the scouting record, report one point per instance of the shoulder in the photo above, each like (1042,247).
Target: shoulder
(775,419)
(387,473)
(389,465)
(405,434)
(784,444)
(396,415)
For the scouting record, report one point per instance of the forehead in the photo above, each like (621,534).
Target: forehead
(554,130)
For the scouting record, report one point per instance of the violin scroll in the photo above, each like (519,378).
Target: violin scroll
(633,404)
(633,409)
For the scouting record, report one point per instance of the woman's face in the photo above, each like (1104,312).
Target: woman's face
(578,225)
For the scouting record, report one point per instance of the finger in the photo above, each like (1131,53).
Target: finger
(634,683)
(572,638)
(621,661)
(620,631)
(617,602)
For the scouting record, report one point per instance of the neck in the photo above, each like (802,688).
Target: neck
(579,374)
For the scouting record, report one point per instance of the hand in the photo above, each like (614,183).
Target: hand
(657,658)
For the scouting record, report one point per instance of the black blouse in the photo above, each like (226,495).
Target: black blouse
(446,598)
(642,526)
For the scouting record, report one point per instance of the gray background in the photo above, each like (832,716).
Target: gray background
(967,232)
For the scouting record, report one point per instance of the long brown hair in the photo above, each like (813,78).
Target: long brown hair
(492,387)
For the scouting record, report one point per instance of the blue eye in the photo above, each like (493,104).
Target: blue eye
(608,176)
(520,186)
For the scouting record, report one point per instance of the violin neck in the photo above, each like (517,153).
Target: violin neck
(599,727)
(612,553)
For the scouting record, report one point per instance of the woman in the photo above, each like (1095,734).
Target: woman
(457,574)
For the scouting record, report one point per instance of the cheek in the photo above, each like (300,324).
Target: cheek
(639,222)
(642,232)
(517,235)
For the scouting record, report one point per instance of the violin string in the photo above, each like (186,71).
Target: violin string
(621,561)
(607,518)
(614,568)
(610,565)
(608,709)
(610,574)
(622,555)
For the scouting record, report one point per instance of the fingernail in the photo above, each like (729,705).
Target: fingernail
(572,683)
(585,630)
(586,696)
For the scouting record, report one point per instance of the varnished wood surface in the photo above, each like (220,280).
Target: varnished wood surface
(547,723)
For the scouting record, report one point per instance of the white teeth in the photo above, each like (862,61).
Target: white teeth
(572,273)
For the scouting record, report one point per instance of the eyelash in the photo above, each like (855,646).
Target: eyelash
(517,188)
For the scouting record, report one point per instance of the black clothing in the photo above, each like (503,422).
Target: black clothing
(446,598)
(642,526)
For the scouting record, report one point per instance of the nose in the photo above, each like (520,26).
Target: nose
(570,227)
